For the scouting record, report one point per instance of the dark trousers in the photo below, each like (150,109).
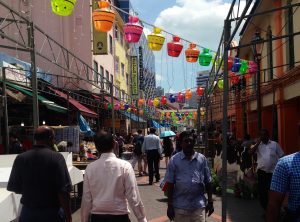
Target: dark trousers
(109,218)
(153,158)
(41,215)
(264,183)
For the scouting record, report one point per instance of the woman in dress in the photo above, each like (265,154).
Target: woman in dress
(168,148)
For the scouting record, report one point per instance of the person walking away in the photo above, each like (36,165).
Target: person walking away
(15,147)
(152,148)
(41,176)
(107,192)
(168,148)
(188,177)
(268,152)
(137,151)
(120,141)
(285,180)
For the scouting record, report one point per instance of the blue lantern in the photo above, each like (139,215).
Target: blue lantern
(126,106)
(236,65)
(172,98)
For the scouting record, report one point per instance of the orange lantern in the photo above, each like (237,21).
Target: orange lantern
(200,91)
(141,112)
(156,40)
(155,102)
(192,53)
(141,102)
(188,94)
(195,115)
(104,17)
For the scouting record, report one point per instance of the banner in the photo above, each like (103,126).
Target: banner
(141,68)
(100,45)
(134,76)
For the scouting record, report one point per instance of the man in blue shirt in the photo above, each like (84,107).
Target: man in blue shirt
(188,177)
(286,179)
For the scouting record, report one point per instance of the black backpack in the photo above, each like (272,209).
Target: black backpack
(138,146)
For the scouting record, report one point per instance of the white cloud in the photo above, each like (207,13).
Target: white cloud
(159,77)
(199,21)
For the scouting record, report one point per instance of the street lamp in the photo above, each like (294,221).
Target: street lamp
(257,47)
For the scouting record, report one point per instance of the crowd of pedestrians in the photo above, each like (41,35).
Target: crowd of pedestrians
(41,176)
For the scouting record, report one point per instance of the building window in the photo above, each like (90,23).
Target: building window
(101,75)
(116,32)
(127,79)
(117,65)
(123,69)
(111,78)
(110,44)
(95,72)
(107,79)
(122,38)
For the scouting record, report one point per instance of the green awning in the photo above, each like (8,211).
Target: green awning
(49,104)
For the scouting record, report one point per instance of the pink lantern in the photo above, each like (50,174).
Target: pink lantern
(150,102)
(252,67)
(133,30)
(180,97)
(174,47)
(117,106)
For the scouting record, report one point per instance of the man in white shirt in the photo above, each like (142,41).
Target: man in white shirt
(268,153)
(152,147)
(109,184)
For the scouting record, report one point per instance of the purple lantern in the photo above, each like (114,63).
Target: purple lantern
(133,30)
(236,65)
(252,67)
(126,106)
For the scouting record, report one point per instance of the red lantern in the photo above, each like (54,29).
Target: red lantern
(174,47)
(150,102)
(247,76)
(105,105)
(180,97)
(234,78)
(229,63)
(200,91)
(133,30)
(163,100)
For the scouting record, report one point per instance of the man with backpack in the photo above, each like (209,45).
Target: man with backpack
(137,151)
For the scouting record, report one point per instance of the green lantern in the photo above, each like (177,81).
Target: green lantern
(62,7)
(109,106)
(221,84)
(205,57)
(244,67)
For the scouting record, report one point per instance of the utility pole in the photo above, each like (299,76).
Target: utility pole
(34,84)
(112,109)
(5,112)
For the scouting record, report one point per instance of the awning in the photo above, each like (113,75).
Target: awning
(108,99)
(83,109)
(49,104)
(156,124)
(133,117)
(85,127)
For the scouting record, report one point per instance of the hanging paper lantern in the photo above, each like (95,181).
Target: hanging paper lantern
(117,106)
(163,100)
(156,40)
(141,112)
(156,102)
(167,114)
(252,67)
(186,113)
(134,110)
(128,110)
(229,63)
(234,78)
(195,114)
(192,53)
(221,83)
(105,105)
(180,97)
(150,102)
(126,106)
(188,94)
(200,91)
(236,65)
(205,57)
(104,17)
(109,106)
(247,76)
(172,98)
(62,7)
(141,102)
(244,67)
(122,107)
(133,30)
(173,114)
(174,47)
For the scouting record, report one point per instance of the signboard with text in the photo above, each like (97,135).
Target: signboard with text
(134,76)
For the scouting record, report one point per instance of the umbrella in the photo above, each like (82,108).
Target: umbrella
(168,133)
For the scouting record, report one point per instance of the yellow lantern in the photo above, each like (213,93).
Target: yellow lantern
(155,102)
(62,7)
(188,94)
(104,17)
(156,40)
(129,110)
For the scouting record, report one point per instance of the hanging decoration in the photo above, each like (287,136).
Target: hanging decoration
(252,67)
(62,7)
(220,83)
(199,91)
(150,102)
(234,78)
(117,106)
(195,115)
(174,47)
(205,57)
(128,110)
(141,112)
(104,17)
(172,98)
(244,67)
(155,102)
(133,30)
(141,102)
(180,97)
(109,106)
(156,40)
(188,94)
(192,53)
(122,106)
(106,106)
(163,100)
(126,106)
(236,65)
(229,63)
